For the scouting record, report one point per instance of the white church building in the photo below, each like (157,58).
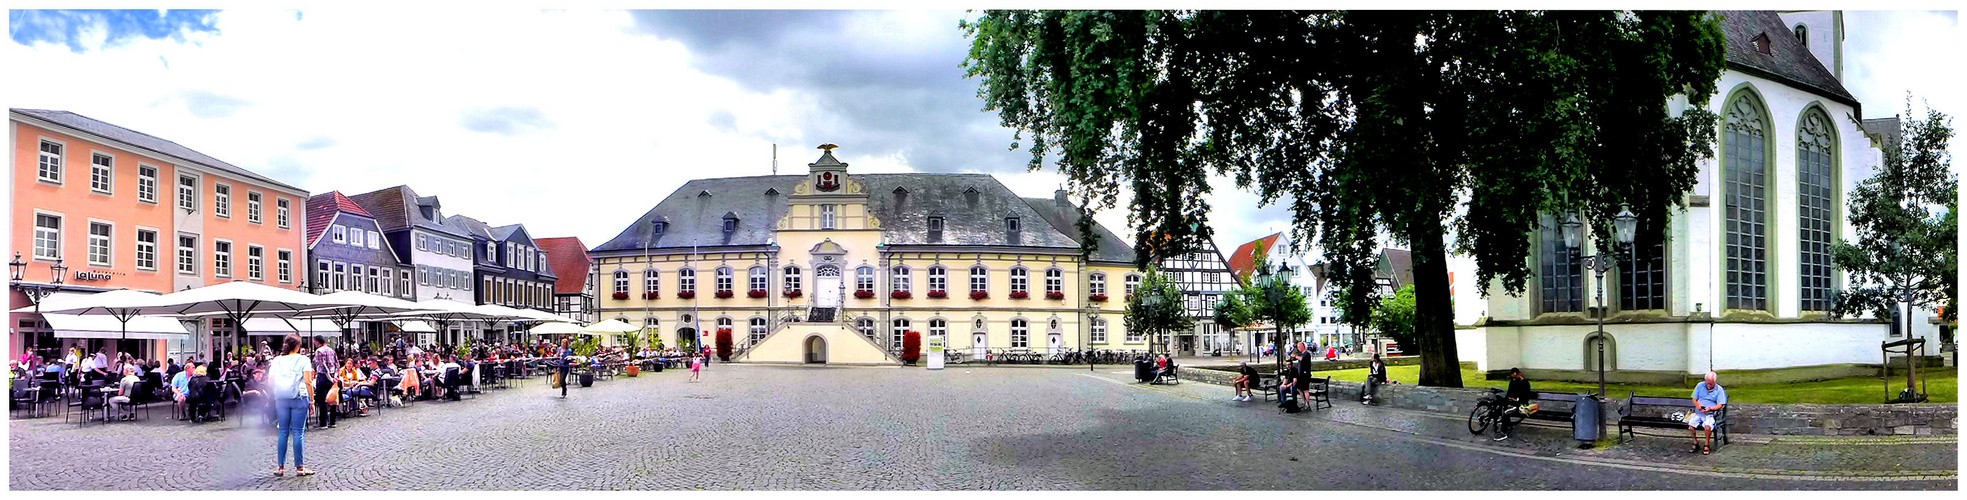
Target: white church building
(1743,280)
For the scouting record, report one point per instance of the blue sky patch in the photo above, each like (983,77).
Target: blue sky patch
(67,27)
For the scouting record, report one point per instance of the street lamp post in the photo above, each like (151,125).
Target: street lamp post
(1624,225)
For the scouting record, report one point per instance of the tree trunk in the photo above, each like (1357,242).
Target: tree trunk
(1434,312)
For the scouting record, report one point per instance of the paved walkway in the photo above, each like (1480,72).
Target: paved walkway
(802,428)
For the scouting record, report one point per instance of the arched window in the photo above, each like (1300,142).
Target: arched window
(938,328)
(864,279)
(938,279)
(1816,150)
(1054,280)
(1560,272)
(1098,335)
(1591,352)
(979,278)
(759,278)
(651,281)
(866,327)
(757,329)
(898,279)
(899,329)
(724,323)
(686,280)
(621,281)
(1803,35)
(792,278)
(1096,284)
(1642,270)
(724,279)
(1020,280)
(1020,334)
(1745,203)
(649,323)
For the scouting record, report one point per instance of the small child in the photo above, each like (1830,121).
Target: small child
(696,369)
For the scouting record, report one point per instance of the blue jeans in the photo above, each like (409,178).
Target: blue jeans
(291,416)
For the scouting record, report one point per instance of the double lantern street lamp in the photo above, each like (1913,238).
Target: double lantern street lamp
(1624,225)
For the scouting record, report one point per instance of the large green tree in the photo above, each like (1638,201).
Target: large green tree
(1157,307)
(1363,123)
(1904,249)
(1394,317)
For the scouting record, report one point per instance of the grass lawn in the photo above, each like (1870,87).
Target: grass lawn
(1941,384)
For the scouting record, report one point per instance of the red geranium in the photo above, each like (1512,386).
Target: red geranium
(724,344)
(651,295)
(911,347)
(979,295)
(756,294)
(1020,295)
(686,294)
(939,294)
(724,294)
(1054,295)
(793,294)
(621,295)
(1098,297)
(864,294)
(898,294)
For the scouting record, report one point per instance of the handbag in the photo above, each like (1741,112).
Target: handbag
(334,394)
(556,380)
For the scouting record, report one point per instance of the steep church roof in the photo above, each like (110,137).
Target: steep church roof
(1788,60)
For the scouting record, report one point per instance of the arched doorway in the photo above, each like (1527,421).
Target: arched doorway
(816,349)
(686,338)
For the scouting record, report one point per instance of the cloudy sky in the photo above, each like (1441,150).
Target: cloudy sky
(575,122)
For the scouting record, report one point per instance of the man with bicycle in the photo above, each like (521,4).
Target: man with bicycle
(1516,402)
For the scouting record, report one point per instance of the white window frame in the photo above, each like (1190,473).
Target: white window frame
(758,328)
(726,279)
(1020,333)
(829,216)
(106,244)
(793,278)
(898,278)
(255,264)
(621,281)
(374,238)
(979,279)
(651,280)
(188,195)
(222,200)
(938,278)
(1096,284)
(388,281)
(338,233)
(187,255)
(686,280)
(141,250)
(221,260)
(1054,280)
(147,184)
(284,265)
(1098,331)
(374,283)
(897,329)
(760,279)
(48,241)
(1020,279)
(283,215)
(938,328)
(254,201)
(50,166)
(338,275)
(354,236)
(1133,283)
(102,177)
(864,278)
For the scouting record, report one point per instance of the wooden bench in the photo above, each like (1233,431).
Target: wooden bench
(1320,392)
(1172,377)
(1266,385)
(1548,413)
(1628,420)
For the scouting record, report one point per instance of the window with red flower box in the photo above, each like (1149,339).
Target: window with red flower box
(724,294)
(898,294)
(1098,297)
(1020,295)
(686,294)
(793,294)
(979,295)
(1054,295)
(651,295)
(939,294)
(756,294)
(621,295)
(863,294)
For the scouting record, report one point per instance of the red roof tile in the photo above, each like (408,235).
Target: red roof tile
(1243,262)
(568,258)
(321,210)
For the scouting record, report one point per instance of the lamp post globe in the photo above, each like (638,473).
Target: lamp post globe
(58,269)
(18,267)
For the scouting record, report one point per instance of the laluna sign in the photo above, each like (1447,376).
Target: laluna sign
(92,276)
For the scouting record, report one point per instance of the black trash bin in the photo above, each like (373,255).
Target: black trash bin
(656,365)
(1587,426)
(587,379)
(1143,370)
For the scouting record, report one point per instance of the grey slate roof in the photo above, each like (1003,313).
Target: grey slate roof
(474,227)
(1062,213)
(696,210)
(397,208)
(142,140)
(1887,129)
(1788,59)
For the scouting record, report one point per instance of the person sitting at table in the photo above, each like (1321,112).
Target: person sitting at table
(181,390)
(355,386)
(125,390)
(449,386)
(198,389)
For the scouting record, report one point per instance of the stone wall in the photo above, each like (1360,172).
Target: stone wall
(1269,365)
(1791,419)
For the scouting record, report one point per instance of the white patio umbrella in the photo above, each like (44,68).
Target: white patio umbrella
(494,313)
(444,312)
(610,327)
(236,301)
(556,328)
(124,305)
(358,305)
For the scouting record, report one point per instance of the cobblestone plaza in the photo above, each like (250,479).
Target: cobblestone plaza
(797,428)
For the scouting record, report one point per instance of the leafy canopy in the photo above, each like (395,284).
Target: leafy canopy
(1903,248)
(1157,306)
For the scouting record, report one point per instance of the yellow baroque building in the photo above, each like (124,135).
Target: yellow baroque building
(833,267)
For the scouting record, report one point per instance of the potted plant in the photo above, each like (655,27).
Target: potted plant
(979,295)
(793,294)
(686,294)
(621,295)
(898,294)
(939,294)
(1054,295)
(724,344)
(651,295)
(724,294)
(864,294)
(756,294)
(1020,295)
(911,347)
(1098,297)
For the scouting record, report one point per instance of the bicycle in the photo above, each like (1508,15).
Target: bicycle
(1491,412)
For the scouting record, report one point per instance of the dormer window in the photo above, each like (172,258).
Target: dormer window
(730,222)
(661,227)
(901,195)
(1761,41)
(1011,224)
(935,228)
(1011,234)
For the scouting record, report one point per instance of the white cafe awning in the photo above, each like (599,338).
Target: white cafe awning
(277,326)
(415,327)
(69,326)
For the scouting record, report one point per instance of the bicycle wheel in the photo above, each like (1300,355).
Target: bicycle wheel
(1478,420)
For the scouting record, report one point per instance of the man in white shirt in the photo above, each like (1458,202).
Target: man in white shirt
(444,370)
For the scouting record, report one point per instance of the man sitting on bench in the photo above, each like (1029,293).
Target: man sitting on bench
(1516,400)
(1709,397)
(1162,368)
